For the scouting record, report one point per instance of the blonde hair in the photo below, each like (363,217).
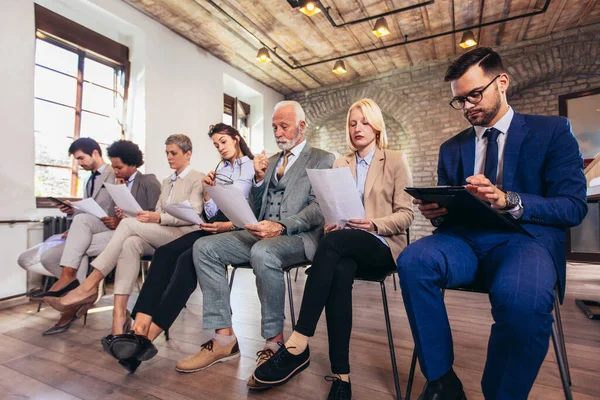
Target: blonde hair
(372,114)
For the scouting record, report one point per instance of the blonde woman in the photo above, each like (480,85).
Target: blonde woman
(139,236)
(364,247)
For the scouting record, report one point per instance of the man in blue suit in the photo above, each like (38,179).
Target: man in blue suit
(528,166)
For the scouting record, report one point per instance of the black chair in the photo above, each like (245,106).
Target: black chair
(558,340)
(288,277)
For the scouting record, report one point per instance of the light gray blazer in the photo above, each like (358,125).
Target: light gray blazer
(300,212)
(146,190)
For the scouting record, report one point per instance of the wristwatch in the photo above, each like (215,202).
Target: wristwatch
(283,229)
(512,200)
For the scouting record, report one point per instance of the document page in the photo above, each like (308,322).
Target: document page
(90,206)
(184,211)
(123,199)
(337,195)
(234,205)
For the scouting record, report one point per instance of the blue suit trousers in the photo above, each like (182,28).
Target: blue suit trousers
(520,276)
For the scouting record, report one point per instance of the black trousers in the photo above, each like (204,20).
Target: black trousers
(170,282)
(341,256)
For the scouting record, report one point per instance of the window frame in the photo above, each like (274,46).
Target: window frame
(64,33)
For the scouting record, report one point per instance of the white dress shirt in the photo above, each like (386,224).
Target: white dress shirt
(295,152)
(480,149)
(174,178)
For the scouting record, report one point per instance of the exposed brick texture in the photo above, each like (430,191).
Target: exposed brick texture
(415,101)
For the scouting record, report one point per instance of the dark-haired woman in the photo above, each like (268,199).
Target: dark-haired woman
(172,276)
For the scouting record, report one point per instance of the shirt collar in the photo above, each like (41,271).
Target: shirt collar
(182,174)
(238,161)
(102,168)
(298,148)
(132,178)
(367,159)
(502,125)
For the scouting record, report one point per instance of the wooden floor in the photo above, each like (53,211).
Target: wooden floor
(72,365)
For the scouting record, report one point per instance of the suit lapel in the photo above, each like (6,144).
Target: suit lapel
(467,154)
(100,181)
(136,185)
(375,170)
(297,169)
(515,136)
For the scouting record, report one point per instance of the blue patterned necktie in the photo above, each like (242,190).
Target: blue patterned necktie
(491,155)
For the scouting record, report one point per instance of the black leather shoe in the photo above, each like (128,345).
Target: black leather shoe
(340,390)
(448,387)
(131,364)
(128,346)
(56,293)
(282,367)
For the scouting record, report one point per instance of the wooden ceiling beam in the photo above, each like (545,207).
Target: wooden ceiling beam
(525,23)
(588,8)
(425,19)
(556,16)
(505,13)
(453,18)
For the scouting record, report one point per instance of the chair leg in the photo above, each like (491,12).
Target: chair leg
(562,367)
(45,285)
(143,268)
(411,375)
(394,279)
(390,341)
(231,279)
(561,336)
(85,318)
(296,277)
(291,298)
(166,334)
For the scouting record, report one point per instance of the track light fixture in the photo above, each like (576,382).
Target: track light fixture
(468,40)
(381,28)
(309,8)
(263,55)
(339,67)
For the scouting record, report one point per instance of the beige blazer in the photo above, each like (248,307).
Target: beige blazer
(188,188)
(386,203)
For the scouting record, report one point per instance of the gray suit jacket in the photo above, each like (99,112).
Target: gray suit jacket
(100,193)
(300,212)
(146,190)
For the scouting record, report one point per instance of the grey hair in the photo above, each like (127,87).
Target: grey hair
(184,142)
(300,116)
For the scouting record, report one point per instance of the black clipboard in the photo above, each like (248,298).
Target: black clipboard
(464,208)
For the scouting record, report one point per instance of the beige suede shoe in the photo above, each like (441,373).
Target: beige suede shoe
(210,354)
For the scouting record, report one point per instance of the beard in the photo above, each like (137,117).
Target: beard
(485,115)
(288,144)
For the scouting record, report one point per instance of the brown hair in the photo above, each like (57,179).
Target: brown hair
(230,131)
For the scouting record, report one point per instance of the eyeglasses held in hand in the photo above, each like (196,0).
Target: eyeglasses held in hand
(222,178)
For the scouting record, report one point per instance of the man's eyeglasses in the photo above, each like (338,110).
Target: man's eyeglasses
(458,103)
(222,178)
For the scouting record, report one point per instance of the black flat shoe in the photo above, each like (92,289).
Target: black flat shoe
(282,367)
(129,345)
(56,293)
(131,364)
(340,390)
(448,387)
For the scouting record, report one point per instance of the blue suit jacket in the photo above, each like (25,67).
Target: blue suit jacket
(543,164)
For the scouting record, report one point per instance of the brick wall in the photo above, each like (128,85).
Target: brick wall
(415,100)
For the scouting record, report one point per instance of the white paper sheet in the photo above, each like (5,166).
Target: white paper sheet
(234,205)
(337,195)
(90,206)
(184,211)
(123,199)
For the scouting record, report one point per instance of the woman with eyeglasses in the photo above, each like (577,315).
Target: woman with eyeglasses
(172,277)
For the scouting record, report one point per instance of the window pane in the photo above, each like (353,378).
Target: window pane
(51,181)
(227,119)
(53,86)
(99,73)
(98,99)
(56,57)
(102,129)
(53,133)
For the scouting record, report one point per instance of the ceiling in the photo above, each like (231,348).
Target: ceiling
(234,31)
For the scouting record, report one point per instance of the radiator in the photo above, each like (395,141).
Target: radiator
(55,225)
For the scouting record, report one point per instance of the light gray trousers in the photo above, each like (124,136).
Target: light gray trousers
(268,257)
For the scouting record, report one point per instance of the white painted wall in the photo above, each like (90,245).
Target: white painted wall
(176,87)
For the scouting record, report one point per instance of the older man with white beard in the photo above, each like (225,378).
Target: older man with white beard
(290,227)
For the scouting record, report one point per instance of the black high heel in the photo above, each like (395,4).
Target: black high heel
(130,364)
(56,293)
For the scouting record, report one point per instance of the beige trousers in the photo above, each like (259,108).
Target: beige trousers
(131,240)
